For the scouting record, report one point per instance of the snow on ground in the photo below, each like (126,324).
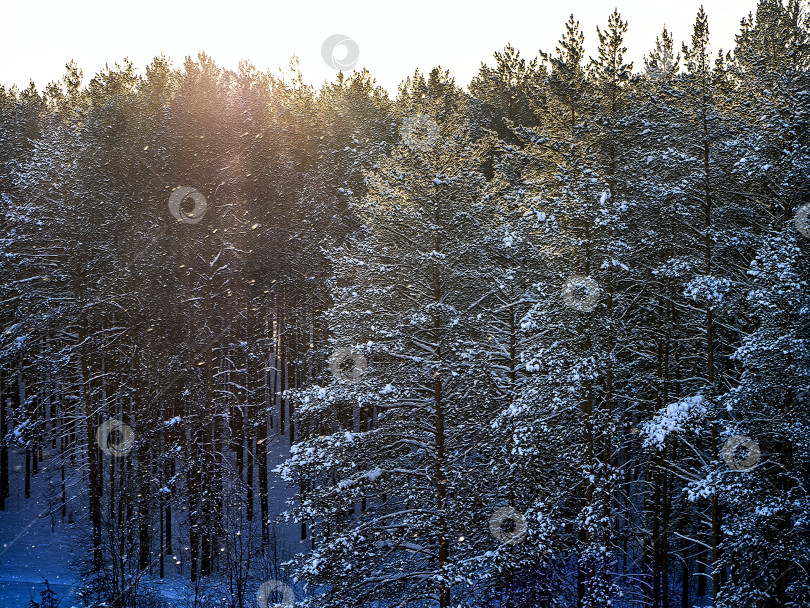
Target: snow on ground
(37,545)
(30,548)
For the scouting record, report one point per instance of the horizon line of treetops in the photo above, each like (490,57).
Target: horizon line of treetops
(652,67)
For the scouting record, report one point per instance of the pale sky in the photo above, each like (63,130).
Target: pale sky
(39,37)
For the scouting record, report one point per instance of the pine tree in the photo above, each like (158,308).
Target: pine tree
(402,305)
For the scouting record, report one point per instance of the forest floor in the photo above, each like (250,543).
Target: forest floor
(35,544)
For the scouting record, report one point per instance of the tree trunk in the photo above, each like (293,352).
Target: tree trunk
(94,489)
(5,404)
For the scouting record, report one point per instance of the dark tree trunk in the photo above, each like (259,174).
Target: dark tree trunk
(94,491)
(5,404)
